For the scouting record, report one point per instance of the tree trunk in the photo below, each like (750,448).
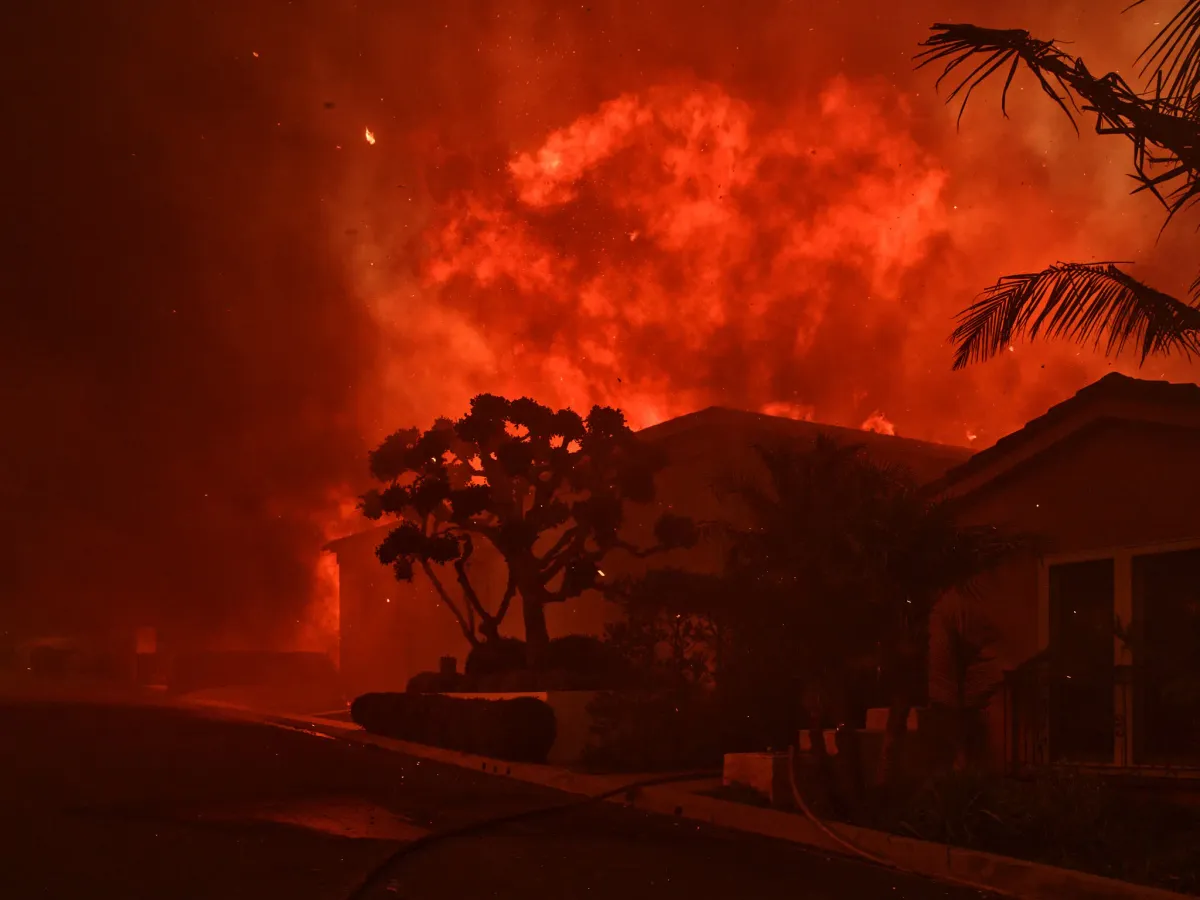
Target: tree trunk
(537,637)
(489,629)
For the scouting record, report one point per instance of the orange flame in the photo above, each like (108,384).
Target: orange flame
(878,423)
(320,627)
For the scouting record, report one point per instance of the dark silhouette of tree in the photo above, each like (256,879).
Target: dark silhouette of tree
(863,554)
(963,667)
(547,489)
(829,586)
(1091,302)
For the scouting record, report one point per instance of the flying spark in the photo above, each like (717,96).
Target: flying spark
(370,136)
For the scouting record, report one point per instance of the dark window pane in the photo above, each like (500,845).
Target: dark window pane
(1166,608)
(1081,652)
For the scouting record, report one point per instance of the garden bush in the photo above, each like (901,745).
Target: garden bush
(438,683)
(1070,820)
(495,656)
(522,729)
(653,731)
(573,662)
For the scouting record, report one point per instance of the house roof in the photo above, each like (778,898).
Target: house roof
(1113,397)
(927,460)
(337,545)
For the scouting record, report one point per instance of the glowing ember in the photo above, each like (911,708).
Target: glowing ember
(369,135)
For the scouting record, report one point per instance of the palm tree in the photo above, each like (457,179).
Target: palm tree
(918,552)
(1091,302)
(864,554)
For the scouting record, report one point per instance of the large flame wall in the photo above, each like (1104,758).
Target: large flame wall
(286,230)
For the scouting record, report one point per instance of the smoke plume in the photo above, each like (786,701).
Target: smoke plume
(251,239)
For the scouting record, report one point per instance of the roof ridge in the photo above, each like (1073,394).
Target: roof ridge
(695,415)
(1112,384)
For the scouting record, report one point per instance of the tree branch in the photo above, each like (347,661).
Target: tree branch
(553,560)
(468,632)
(464,581)
(1155,121)
(510,591)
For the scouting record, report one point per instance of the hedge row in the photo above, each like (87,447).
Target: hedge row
(522,729)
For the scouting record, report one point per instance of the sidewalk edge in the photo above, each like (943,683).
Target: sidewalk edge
(1001,874)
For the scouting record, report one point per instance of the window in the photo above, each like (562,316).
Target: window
(1081,656)
(1166,655)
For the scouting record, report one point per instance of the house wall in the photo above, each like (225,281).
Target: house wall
(1112,488)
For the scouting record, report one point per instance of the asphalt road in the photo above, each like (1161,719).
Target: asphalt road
(105,800)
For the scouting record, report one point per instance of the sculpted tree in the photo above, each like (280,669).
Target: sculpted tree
(1091,302)
(547,489)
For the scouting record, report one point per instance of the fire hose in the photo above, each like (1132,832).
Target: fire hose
(804,808)
(378,875)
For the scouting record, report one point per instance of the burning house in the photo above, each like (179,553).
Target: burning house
(1106,480)
(390,631)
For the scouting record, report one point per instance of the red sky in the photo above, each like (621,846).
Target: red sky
(223,293)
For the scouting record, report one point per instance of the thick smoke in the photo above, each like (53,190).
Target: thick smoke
(770,212)
(183,351)
(224,292)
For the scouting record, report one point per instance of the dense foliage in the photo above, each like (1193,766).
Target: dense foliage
(573,662)
(824,605)
(546,489)
(1063,819)
(1094,301)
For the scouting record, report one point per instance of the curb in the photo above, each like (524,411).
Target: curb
(999,874)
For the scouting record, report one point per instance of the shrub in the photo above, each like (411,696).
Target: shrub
(574,662)
(1076,821)
(649,731)
(522,729)
(496,656)
(581,653)
(438,683)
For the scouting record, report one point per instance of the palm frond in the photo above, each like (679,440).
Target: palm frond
(1165,134)
(1081,302)
(956,44)
(1173,57)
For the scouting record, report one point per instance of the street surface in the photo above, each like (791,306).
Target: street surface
(125,801)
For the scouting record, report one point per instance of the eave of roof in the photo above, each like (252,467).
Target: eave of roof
(337,543)
(1114,396)
(718,417)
